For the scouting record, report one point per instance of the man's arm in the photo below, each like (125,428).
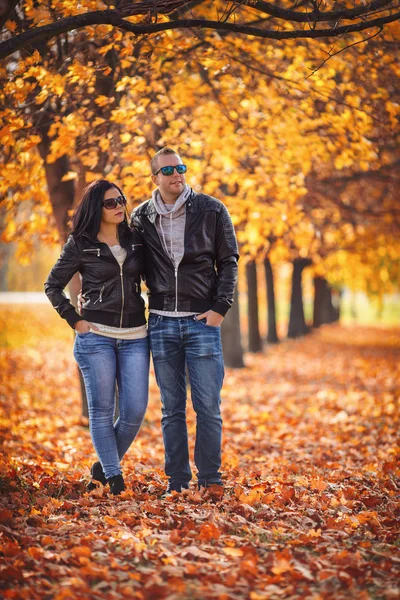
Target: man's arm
(135,221)
(137,228)
(226,260)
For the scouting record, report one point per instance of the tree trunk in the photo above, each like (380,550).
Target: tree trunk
(231,336)
(254,338)
(61,193)
(6,252)
(62,196)
(272,336)
(336,295)
(297,323)
(318,294)
(324,310)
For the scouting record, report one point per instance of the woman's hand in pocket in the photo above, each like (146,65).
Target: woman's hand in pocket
(83,326)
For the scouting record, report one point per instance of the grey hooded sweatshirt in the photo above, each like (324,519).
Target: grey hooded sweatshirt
(170,224)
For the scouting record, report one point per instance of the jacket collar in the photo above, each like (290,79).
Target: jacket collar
(151,213)
(127,247)
(91,240)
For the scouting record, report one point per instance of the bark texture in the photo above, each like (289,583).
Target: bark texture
(254,338)
(272,335)
(297,323)
(231,337)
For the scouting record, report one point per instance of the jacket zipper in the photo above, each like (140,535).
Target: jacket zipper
(176,289)
(175,269)
(97,250)
(123,296)
(100,298)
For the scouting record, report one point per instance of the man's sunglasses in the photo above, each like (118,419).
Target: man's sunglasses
(181,169)
(111,203)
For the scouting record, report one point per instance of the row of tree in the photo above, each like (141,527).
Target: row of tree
(326,309)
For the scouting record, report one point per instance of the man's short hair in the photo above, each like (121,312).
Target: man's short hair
(154,160)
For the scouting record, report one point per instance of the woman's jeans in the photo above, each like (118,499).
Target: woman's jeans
(177,343)
(105,362)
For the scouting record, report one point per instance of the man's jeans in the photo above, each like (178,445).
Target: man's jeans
(105,362)
(177,342)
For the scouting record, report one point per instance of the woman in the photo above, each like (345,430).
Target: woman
(111,345)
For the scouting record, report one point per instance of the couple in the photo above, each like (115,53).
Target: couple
(183,244)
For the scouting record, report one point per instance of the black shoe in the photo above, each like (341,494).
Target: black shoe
(97,474)
(117,484)
(174,486)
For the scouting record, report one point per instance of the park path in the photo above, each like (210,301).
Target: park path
(23,298)
(311,502)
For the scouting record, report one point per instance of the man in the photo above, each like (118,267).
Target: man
(191,273)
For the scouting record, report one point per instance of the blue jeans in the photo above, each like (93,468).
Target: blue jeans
(107,362)
(177,342)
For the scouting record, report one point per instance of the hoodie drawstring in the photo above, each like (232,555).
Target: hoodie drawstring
(170,223)
(171,253)
(163,235)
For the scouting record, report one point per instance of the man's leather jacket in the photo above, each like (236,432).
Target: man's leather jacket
(207,275)
(111,293)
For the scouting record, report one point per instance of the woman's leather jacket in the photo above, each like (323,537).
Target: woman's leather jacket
(111,293)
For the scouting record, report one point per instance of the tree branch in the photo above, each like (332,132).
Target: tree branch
(254,66)
(331,54)
(330,188)
(37,35)
(153,6)
(351,209)
(389,171)
(317,16)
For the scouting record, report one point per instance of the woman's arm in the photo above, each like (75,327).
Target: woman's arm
(59,277)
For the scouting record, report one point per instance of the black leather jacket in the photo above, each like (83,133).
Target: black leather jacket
(207,274)
(111,293)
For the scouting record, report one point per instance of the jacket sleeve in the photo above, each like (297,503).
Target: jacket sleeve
(137,229)
(226,259)
(60,275)
(135,223)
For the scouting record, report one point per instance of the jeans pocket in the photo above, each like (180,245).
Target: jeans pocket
(81,336)
(205,324)
(153,321)
(80,344)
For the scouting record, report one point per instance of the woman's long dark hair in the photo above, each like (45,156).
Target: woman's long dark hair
(87,215)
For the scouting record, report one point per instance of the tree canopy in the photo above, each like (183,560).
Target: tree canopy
(298,137)
(312,19)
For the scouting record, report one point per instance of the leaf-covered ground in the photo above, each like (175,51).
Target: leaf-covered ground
(311,467)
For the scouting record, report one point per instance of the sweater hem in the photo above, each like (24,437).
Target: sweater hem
(192,306)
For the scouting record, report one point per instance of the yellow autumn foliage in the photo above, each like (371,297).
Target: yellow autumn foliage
(302,150)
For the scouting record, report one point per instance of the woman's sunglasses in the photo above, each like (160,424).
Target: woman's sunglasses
(111,203)
(181,169)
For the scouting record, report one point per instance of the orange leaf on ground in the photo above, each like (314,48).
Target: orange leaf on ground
(277,532)
(209,531)
(81,551)
(233,551)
